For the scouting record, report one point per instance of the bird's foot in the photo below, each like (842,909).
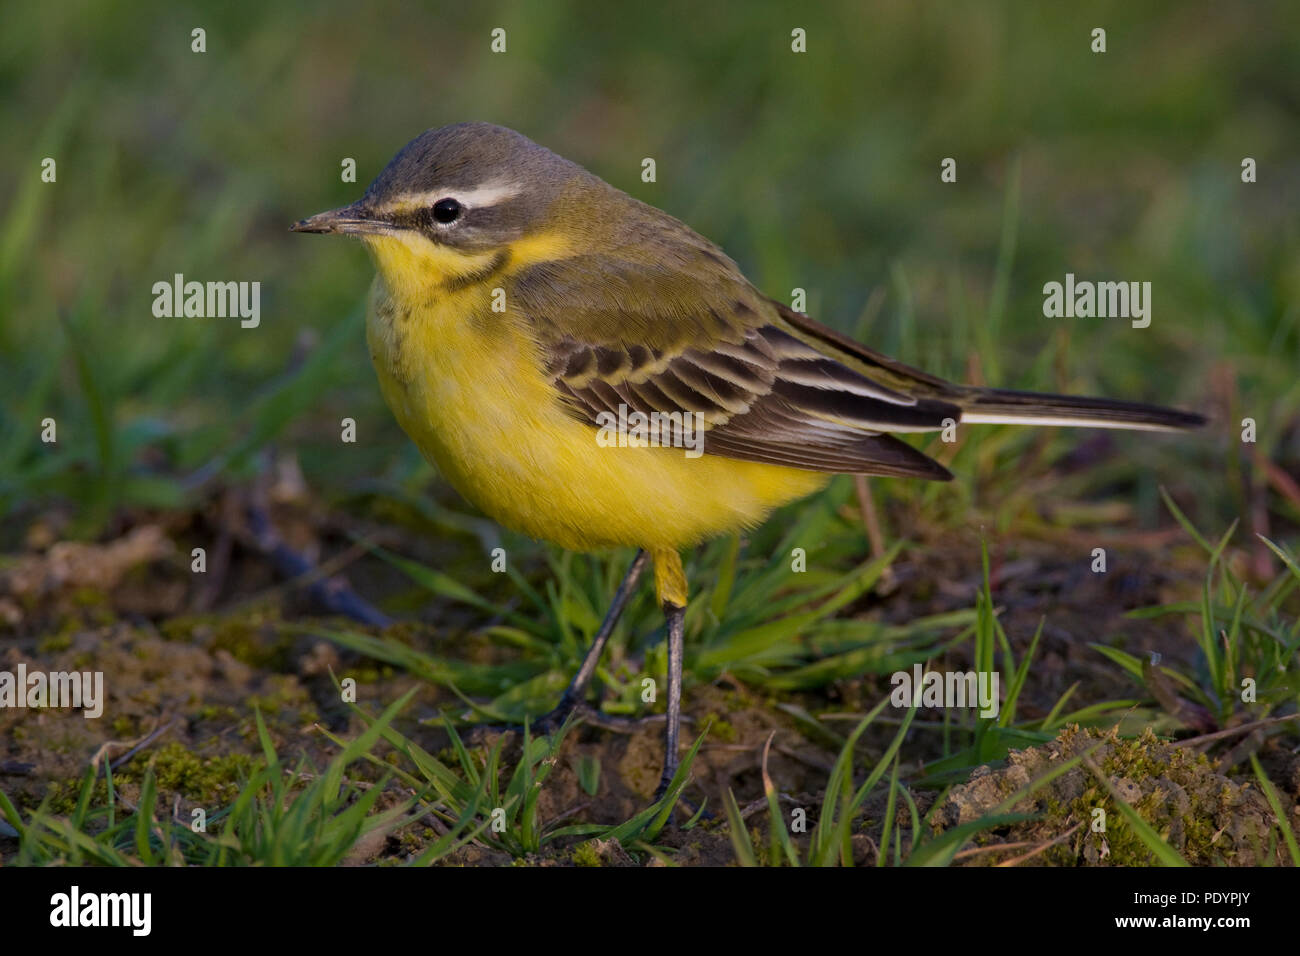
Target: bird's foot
(693,809)
(555,718)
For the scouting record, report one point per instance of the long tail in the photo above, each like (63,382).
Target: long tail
(1001,406)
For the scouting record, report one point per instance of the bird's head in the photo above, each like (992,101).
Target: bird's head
(455,199)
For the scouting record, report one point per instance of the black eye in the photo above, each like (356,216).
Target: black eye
(446,210)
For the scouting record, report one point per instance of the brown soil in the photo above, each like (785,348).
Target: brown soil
(185,663)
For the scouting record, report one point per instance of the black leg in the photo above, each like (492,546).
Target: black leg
(574,694)
(676,629)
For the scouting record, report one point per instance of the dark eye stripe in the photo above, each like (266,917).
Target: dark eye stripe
(421,219)
(424,220)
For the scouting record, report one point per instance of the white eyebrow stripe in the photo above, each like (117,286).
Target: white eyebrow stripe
(486,195)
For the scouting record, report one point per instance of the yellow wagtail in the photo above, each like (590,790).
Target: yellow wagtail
(523,305)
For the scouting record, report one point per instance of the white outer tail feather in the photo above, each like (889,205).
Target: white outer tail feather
(993,418)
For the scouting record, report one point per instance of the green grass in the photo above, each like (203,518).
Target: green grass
(152,411)
(282,817)
(1248,645)
(754,615)
(291,817)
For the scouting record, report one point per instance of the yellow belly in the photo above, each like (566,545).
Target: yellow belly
(466,385)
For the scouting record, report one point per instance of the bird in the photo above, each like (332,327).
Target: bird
(588,370)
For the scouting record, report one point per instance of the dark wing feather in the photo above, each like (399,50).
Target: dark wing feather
(625,330)
(838,347)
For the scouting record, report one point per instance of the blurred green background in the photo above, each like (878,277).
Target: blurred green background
(817,170)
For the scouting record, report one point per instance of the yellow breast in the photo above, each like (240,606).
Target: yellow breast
(467,385)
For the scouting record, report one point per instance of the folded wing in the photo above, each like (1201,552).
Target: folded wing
(762,393)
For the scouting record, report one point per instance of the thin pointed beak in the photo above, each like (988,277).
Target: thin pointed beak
(349,221)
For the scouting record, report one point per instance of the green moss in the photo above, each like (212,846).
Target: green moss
(587,854)
(287,696)
(220,712)
(720,729)
(123,726)
(211,781)
(93,606)
(735,700)
(58,641)
(1179,796)
(254,637)
(61,795)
